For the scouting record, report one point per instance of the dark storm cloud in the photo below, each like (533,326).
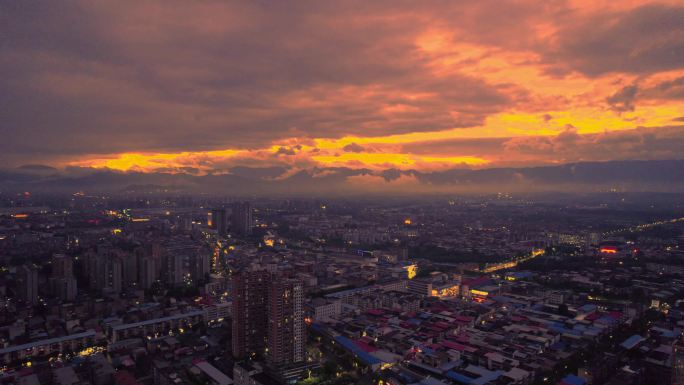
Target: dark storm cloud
(354,147)
(668,90)
(455,147)
(643,40)
(626,98)
(87,77)
(623,100)
(641,143)
(654,143)
(286,151)
(258,172)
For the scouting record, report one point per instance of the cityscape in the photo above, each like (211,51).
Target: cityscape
(454,290)
(344,192)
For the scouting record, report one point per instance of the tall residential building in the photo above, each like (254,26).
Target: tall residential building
(268,318)
(27,284)
(210,220)
(201,265)
(130,270)
(177,269)
(286,329)
(105,271)
(183,262)
(250,311)
(678,363)
(241,218)
(63,282)
(95,269)
(219,220)
(147,272)
(148,267)
(114,275)
(62,266)
(65,288)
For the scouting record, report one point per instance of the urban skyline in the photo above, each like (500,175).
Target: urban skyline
(380,192)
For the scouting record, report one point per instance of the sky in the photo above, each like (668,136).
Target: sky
(207,87)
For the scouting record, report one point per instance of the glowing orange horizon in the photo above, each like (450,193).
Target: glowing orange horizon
(551,105)
(383,152)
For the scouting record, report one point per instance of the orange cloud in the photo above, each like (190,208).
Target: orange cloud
(378,86)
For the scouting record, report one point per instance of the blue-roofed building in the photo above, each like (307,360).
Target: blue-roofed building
(560,345)
(571,379)
(459,378)
(588,308)
(502,299)
(318,328)
(474,375)
(632,341)
(359,353)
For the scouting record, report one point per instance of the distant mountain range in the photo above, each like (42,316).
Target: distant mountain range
(636,176)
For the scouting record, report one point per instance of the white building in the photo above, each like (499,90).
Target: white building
(326,309)
(217,312)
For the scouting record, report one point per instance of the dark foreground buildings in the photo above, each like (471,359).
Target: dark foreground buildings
(268,319)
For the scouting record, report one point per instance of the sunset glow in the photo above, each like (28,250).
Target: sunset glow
(342,192)
(427,87)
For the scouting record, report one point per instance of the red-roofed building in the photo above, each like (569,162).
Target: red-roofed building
(453,345)
(365,347)
(124,377)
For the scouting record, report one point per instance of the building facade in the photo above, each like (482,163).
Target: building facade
(250,295)
(286,328)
